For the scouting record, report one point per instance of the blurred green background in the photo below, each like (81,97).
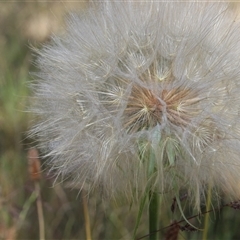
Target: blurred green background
(24,25)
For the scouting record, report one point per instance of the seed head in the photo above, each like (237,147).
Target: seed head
(134,80)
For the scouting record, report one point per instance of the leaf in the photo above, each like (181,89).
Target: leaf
(171,152)
(140,211)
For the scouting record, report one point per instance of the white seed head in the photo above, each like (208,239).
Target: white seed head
(134,79)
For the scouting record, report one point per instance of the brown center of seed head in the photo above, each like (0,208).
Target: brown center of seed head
(145,108)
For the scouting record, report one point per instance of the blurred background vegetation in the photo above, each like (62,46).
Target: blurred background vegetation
(26,24)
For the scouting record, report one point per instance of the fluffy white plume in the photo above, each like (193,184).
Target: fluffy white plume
(131,83)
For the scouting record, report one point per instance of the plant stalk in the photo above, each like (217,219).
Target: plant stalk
(153,215)
(86,216)
(40,211)
(206,218)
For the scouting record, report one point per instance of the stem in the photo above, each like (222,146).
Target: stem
(86,216)
(153,215)
(153,198)
(153,202)
(206,217)
(40,212)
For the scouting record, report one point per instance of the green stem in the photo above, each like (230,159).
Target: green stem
(153,202)
(153,215)
(206,218)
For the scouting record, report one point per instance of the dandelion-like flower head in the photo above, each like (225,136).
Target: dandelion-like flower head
(135,82)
